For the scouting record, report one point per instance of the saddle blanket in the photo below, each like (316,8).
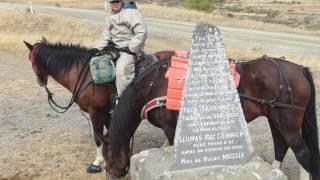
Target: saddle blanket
(176,76)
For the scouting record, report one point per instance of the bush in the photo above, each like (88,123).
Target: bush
(200,5)
(57,4)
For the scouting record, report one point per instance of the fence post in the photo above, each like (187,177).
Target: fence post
(105,5)
(31,9)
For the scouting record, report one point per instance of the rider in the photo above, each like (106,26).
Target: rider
(125,27)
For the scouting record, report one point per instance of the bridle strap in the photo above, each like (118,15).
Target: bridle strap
(275,101)
(32,57)
(76,91)
(272,103)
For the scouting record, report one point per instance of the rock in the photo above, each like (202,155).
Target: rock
(155,164)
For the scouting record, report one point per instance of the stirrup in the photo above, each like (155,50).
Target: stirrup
(114,102)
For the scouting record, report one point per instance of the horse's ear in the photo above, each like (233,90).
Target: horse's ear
(29,46)
(44,40)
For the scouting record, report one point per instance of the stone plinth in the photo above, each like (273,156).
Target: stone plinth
(155,164)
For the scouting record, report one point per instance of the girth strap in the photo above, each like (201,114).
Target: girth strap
(154,103)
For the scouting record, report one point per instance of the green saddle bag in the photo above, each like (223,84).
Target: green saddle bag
(102,69)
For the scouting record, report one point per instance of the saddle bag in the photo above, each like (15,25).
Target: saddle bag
(102,69)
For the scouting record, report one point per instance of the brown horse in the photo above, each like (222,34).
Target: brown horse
(67,65)
(282,91)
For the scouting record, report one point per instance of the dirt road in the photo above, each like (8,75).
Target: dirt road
(287,44)
(37,143)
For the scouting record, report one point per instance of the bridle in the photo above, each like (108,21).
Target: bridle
(43,83)
(32,57)
(76,91)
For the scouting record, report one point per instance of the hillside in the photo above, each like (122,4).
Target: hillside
(301,16)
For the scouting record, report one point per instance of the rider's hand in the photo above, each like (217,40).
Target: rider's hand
(127,50)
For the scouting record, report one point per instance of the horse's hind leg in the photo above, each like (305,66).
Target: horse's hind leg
(300,149)
(169,126)
(280,146)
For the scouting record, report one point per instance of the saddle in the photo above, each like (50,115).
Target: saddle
(176,75)
(143,62)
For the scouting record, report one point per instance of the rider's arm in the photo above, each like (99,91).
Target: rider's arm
(105,36)
(139,29)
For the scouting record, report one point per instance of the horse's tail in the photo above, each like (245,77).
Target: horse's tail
(310,129)
(124,122)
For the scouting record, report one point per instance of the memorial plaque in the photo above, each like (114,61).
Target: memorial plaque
(211,129)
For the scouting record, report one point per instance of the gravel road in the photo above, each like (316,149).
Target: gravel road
(36,142)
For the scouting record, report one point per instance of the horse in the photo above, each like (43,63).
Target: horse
(68,65)
(280,90)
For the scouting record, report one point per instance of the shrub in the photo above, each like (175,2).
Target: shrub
(57,4)
(200,5)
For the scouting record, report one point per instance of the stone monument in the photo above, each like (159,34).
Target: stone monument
(211,129)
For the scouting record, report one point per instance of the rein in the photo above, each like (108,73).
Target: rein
(76,91)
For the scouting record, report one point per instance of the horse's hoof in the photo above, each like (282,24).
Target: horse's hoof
(93,169)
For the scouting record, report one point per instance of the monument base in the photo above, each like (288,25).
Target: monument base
(155,164)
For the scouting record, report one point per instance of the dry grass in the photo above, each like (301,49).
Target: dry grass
(179,13)
(92,4)
(158,44)
(16,27)
(216,18)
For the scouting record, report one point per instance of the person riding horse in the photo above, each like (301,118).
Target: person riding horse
(126,28)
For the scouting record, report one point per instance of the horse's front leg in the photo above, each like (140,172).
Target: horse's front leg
(98,128)
(95,167)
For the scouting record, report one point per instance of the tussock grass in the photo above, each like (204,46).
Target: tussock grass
(249,54)
(180,13)
(16,27)
(155,44)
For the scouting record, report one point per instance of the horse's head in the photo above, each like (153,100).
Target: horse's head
(116,168)
(42,76)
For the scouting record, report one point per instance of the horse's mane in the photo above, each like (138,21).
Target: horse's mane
(58,58)
(126,116)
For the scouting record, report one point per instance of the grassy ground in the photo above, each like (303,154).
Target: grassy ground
(16,27)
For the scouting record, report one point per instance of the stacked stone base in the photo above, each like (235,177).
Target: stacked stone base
(155,164)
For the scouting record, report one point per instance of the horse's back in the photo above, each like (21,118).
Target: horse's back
(265,78)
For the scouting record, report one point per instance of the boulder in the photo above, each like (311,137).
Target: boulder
(156,164)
